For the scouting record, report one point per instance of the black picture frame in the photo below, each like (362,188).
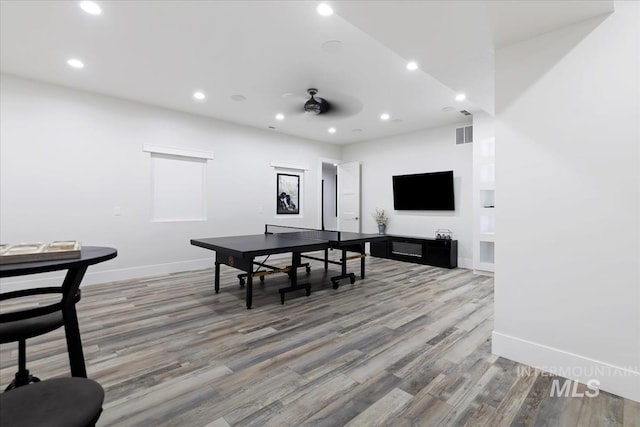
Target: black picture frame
(287,194)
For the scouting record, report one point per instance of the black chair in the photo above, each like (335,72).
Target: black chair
(58,402)
(21,325)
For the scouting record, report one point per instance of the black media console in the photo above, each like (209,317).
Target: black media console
(436,252)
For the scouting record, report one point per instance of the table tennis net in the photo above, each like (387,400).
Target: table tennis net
(310,233)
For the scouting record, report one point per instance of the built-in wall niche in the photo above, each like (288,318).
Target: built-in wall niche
(487,224)
(488,147)
(487,198)
(487,252)
(487,173)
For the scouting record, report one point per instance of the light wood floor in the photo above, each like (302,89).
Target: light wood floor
(407,346)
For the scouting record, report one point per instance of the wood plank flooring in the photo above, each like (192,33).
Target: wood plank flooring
(407,346)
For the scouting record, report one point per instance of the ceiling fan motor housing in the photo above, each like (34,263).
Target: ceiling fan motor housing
(315,105)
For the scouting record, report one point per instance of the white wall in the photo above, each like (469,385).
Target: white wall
(68,158)
(329,176)
(568,191)
(426,151)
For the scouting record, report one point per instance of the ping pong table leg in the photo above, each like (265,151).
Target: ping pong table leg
(293,274)
(344,275)
(250,284)
(362,260)
(295,263)
(217,277)
(326,260)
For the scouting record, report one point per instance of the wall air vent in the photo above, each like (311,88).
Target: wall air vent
(464,135)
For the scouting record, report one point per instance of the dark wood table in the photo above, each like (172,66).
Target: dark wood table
(76,268)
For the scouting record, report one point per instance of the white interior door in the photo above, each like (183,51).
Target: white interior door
(349,197)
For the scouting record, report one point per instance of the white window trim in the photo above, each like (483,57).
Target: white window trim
(278,165)
(174,151)
(181,152)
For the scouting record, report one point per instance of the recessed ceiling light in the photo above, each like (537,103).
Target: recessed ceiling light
(279,116)
(412,66)
(75,63)
(324,9)
(199,96)
(461,97)
(238,97)
(90,7)
(332,130)
(384,116)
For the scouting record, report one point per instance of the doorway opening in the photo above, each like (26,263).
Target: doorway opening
(329,198)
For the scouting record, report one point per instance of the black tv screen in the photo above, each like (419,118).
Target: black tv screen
(424,192)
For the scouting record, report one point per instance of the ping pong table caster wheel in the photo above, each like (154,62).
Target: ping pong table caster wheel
(308,291)
(352,279)
(335,283)
(262,278)
(242,283)
(308,269)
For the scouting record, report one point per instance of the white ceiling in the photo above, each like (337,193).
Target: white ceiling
(161,52)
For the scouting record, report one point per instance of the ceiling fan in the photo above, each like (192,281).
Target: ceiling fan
(316,105)
(339,106)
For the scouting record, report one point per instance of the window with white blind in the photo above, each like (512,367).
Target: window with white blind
(178,184)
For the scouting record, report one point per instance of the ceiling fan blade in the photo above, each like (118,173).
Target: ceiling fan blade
(343,106)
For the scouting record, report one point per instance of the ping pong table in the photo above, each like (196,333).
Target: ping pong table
(240,252)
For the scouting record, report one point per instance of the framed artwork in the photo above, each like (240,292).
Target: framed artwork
(288,194)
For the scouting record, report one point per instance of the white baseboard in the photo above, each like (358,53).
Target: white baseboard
(484,273)
(106,276)
(465,263)
(621,381)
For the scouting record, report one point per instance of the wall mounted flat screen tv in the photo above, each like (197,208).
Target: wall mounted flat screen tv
(423,192)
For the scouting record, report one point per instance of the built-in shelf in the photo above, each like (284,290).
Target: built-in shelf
(487,224)
(484,230)
(487,198)
(487,173)
(487,148)
(487,253)
(487,237)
